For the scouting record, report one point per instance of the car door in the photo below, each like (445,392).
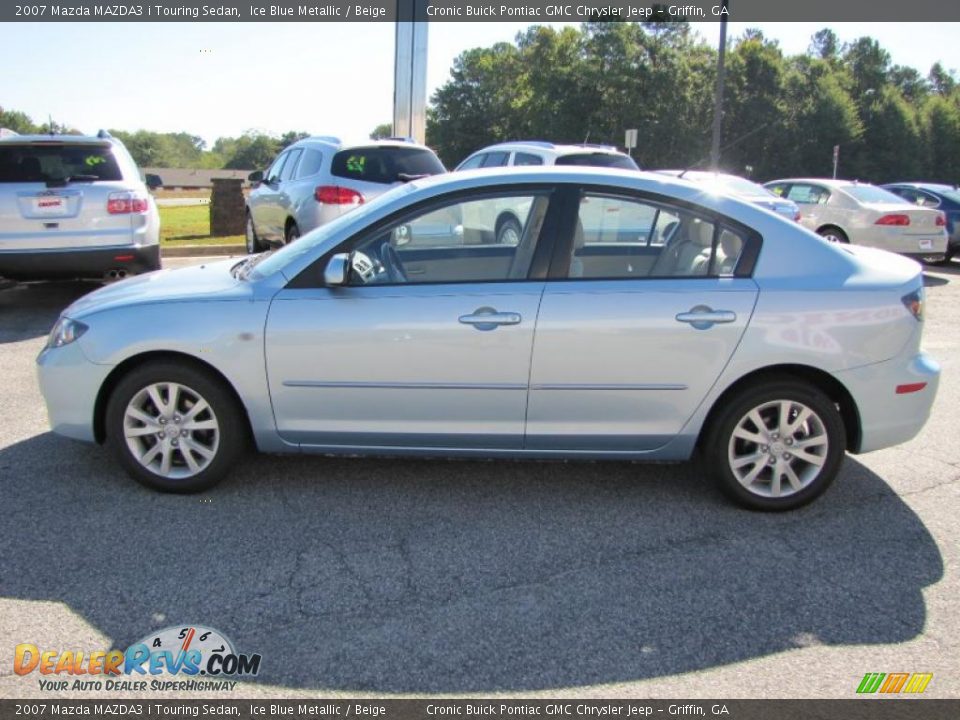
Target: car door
(439,358)
(265,203)
(637,321)
(287,190)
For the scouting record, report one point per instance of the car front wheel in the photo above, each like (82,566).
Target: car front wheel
(174,427)
(776,446)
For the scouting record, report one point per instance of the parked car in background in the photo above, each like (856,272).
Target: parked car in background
(523,153)
(318,179)
(936,196)
(74,206)
(506,224)
(742,188)
(706,324)
(846,211)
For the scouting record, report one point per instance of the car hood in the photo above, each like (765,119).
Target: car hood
(184,284)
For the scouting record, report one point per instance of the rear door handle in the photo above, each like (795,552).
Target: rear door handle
(703,317)
(487,318)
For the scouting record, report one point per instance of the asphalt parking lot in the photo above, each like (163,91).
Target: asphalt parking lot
(385,577)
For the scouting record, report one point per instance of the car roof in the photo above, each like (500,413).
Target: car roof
(65,139)
(932,187)
(829,182)
(336,143)
(544,145)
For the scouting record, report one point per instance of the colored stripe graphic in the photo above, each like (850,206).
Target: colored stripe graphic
(918,682)
(894,682)
(870,682)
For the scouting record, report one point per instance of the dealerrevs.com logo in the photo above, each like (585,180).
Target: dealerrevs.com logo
(171,659)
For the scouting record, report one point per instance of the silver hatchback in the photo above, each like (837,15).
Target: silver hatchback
(318,179)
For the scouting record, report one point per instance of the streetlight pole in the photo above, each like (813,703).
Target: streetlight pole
(718,93)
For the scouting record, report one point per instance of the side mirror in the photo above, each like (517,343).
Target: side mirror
(256,176)
(337,270)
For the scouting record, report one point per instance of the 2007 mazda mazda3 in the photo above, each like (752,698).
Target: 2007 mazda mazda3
(629,316)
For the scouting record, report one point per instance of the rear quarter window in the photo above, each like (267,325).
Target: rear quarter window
(385,165)
(55,162)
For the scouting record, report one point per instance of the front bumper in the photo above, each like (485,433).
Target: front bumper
(887,417)
(78,263)
(69,383)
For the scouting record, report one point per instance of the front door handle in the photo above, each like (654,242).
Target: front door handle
(487,318)
(703,317)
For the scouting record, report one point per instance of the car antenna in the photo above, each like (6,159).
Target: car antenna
(735,141)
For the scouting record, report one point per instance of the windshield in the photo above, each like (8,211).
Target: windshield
(949,193)
(598,160)
(385,164)
(56,162)
(873,194)
(306,245)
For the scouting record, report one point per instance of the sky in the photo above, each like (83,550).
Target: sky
(222,79)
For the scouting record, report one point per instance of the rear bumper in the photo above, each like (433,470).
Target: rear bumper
(925,257)
(889,417)
(78,263)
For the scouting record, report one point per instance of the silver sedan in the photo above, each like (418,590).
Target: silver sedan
(635,316)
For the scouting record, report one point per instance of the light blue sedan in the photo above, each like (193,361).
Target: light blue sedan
(636,316)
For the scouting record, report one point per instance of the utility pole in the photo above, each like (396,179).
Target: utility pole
(410,71)
(718,93)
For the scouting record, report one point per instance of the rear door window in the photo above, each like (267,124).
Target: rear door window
(309,163)
(57,162)
(385,165)
(804,194)
(496,159)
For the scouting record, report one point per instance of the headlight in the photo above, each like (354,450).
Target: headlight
(65,332)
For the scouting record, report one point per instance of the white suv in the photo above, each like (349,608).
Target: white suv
(74,206)
(319,178)
(536,152)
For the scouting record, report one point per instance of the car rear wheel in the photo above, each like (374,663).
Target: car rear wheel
(509,232)
(174,427)
(833,234)
(776,446)
(253,242)
(293,233)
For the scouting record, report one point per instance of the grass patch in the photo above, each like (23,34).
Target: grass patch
(190,225)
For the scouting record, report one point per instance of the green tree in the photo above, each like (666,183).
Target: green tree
(17,121)
(382,131)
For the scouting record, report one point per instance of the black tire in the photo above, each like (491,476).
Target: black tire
(833,234)
(231,437)
(721,448)
(292,233)
(254,244)
(508,228)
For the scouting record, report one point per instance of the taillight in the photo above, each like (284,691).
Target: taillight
(125,203)
(914,303)
(336,195)
(941,220)
(796,218)
(898,219)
